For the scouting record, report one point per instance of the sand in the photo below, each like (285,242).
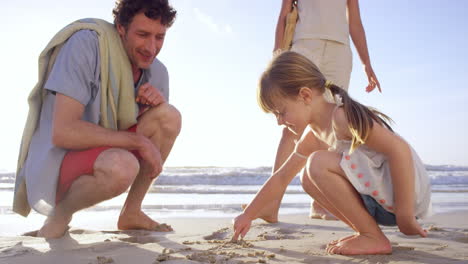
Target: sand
(295,239)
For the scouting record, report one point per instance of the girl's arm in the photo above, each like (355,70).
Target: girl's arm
(400,160)
(358,35)
(276,185)
(285,9)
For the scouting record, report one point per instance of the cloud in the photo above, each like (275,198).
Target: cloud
(211,24)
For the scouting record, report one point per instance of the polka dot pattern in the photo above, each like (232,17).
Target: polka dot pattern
(365,180)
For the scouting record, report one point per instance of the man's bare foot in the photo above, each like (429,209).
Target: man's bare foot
(270,218)
(55,226)
(318,212)
(139,220)
(362,244)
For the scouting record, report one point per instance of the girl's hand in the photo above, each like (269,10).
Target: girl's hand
(409,226)
(241,226)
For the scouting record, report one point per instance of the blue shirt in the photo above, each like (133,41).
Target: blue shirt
(76,74)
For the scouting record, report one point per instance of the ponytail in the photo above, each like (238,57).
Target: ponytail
(289,71)
(360,117)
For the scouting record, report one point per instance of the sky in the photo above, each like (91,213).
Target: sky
(216,51)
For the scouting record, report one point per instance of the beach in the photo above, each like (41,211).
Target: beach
(200,203)
(295,239)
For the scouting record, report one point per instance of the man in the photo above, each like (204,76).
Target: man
(99,120)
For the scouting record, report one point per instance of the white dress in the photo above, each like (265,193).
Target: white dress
(369,173)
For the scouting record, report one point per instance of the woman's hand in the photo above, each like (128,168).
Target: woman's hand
(241,226)
(373,82)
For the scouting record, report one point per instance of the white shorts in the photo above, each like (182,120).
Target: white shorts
(334,59)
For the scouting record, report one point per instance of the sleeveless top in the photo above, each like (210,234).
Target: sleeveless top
(369,173)
(322,19)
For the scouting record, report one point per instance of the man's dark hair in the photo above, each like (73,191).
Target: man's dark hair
(125,10)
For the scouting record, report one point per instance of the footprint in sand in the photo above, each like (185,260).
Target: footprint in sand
(278,234)
(218,235)
(284,231)
(435,228)
(403,248)
(16,250)
(104,260)
(266,236)
(129,232)
(140,239)
(461,239)
(441,247)
(82,232)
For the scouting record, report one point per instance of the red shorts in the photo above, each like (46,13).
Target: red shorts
(77,163)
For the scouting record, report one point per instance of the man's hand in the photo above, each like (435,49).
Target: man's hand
(151,157)
(241,226)
(149,95)
(409,226)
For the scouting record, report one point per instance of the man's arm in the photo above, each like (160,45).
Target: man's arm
(71,132)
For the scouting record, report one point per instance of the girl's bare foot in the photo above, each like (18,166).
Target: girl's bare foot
(268,217)
(55,226)
(318,212)
(362,244)
(334,242)
(139,220)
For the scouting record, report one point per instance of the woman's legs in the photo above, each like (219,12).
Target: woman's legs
(335,192)
(334,59)
(285,147)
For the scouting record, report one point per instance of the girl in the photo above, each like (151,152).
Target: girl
(322,34)
(355,165)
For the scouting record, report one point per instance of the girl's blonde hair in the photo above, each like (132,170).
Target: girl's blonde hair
(290,71)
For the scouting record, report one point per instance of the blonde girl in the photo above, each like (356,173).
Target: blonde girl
(323,34)
(355,165)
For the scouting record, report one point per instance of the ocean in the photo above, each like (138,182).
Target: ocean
(220,192)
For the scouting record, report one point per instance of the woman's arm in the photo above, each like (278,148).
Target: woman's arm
(281,24)
(358,35)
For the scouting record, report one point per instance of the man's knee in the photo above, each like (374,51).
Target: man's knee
(167,119)
(116,170)
(171,121)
